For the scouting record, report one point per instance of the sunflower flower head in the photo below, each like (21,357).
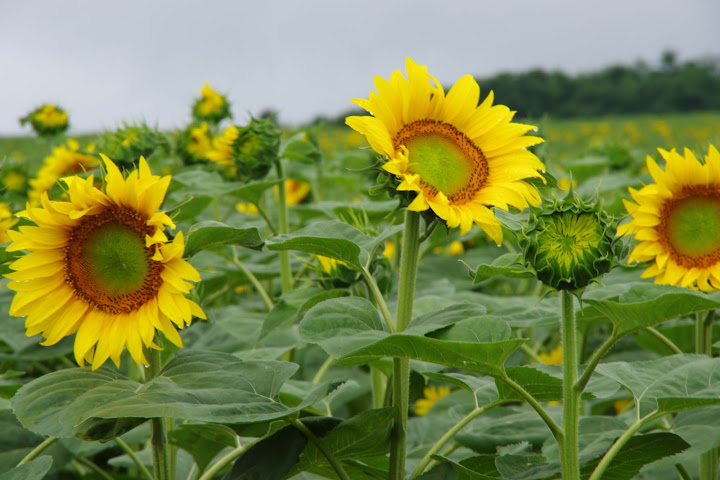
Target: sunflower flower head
(676,220)
(450,156)
(130,142)
(554,357)
(100,266)
(47,120)
(569,244)
(13,179)
(211,107)
(431,395)
(256,148)
(67,159)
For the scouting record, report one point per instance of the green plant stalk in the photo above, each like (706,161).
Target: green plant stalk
(99,471)
(378,387)
(323,370)
(666,341)
(339,470)
(253,279)
(159,439)
(619,444)
(285,272)
(131,453)
(593,363)
(218,466)
(401,366)
(477,411)
(379,299)
(571,395)
(682,471)
(709,462)
(264,214)
(37,450)
(554,428)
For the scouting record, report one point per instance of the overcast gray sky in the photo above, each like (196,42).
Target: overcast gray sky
(108,62)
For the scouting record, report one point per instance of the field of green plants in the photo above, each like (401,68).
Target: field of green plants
(351,334)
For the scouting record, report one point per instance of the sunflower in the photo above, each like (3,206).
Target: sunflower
(460,158)
(677,221)
(101,266)
(64,160)
(47,120)
(431,395)
(211,106)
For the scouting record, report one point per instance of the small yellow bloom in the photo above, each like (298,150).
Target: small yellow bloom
(211,106)
(389,251)
(14,181)
(248,208)
(329,265)
(456,248)
(7,221)
(64,160)
(564,184)
(431,396)
(130,139)
(555,357)
(296,191)
(621,405)
(241,289)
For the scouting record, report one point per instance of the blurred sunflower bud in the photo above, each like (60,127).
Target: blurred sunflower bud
(130,142)
(256,148)
(47,120)
(211,107)
(569,244)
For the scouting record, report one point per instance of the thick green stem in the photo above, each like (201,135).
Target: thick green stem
(159,440)
(709,462)
(253,279)
(38,450)
(401,366)
(285,272)
(339,470)
(477,411)
(133,456)
(571,395)
(682,471)
(619,444)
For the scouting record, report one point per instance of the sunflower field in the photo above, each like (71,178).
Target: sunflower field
(434,291)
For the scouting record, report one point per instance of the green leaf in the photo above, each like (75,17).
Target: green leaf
(196,386)
(483,388)
(6,258)
(507,265)
(669,384)
(262,462)
(300,151)
(437,319)
(32,470)
(367,434)
(487,358)
(253,191)
(476,329)
(210,234)
(639,451)
(202,441)
(199,182)
(451,470)
(505,427)
(645,305)
(333,239)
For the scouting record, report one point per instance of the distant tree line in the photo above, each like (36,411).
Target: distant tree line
(670,86)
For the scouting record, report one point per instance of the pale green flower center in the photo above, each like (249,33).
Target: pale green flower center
(693,226)
(568,238)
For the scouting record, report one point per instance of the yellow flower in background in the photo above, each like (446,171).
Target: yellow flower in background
(200,143)
(222,146)
(64,160)
(389,251)
(456,248)
(130,139)
(431,395)
(47,120)
(248,208)
(329,265)
(7,221)
(296,191)
(69,280)
(621,405)
(555,357)
(459,158)
(211,106)
(14,180)
(677,221)
(565,184)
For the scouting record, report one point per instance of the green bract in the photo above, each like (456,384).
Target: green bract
(130,142)
(570,244)
(256,149)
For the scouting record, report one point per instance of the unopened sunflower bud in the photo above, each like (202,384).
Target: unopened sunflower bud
(570,244)
(130,142)
(211,107)
(256,148)
(47,120)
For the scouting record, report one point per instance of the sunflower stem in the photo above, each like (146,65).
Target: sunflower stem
(159,440)
(323,370)
(37,450)
(474,413)
(666,341)
(264,214)
(285,272)
(571,395)
(337,466)
(253,279)
(145,473)
(709,462)
(379,299)
(378,387)
(401,366)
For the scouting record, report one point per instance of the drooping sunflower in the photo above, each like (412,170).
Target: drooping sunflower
(211,106)
(101,266)
(460,158)
(677,220)
(47,120)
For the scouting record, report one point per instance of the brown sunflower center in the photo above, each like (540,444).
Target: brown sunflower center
(108,264)
(690,228)
(444,158)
